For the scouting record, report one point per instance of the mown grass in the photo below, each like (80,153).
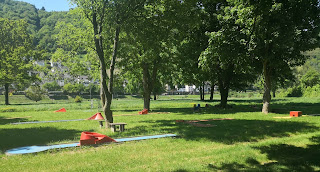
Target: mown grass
(251,142)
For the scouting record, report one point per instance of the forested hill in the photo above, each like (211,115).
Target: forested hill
(41,23)
(42,26)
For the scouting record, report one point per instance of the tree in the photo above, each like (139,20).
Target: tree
(15,53)
(226,58)
(35,93)
(278,31)
(51,86)
(105,15)
(311,78)
(149,45)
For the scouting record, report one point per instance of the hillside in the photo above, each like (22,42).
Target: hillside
(41,23)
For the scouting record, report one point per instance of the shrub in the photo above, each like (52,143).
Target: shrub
(52,86)
(312,91)
(35,93)
(73,88)
(77,99)
(291,92)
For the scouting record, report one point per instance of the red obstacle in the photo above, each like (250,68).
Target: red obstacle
(295,113)
(61,110)
(96,116)
(91,138)
(144,111)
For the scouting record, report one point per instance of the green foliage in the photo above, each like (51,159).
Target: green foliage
(78,99)
(73,88)
(311,78)
(94,88)
(52,86)
(312,91)
(35,93)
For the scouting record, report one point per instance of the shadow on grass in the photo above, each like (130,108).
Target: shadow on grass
(8,120)
(279,108)
(13,138)
(282,157)
(228,131)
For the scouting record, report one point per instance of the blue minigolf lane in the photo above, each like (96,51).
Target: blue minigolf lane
(35,149)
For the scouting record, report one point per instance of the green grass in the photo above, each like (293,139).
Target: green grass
(251,142)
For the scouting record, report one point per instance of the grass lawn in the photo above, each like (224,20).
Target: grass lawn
(252,141)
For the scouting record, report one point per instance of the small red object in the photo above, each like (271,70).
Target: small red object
(295,113)
(96,116)
(144,111)
(91,138)
(61,110)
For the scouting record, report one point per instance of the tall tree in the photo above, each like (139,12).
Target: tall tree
(226,58)
(108,15)
(151,41)
(278,31)
(15,53)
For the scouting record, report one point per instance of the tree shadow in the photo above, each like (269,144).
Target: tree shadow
(248,106)
(306,108)
(8,120)
(282,157)
(13,138)
(229,131)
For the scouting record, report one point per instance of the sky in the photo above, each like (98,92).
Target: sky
(50,5)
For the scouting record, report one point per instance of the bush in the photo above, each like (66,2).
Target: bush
(73,88)
(77,99)
(52,86)
(291,92)
(35,93)
(312,91)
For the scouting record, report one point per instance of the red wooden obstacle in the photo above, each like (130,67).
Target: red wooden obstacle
(295,113)
(91,138)
(61,110)
(144,111)
(96,116)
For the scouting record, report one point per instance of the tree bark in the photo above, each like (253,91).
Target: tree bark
(267,88)
(211,92)
(200,90)
(106,91)
(154,96)
(107,108)
(274,93)
(149,81)
(146,86)
(203,91)
(6,87)
(224,92)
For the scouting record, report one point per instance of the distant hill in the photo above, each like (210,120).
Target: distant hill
(41,23)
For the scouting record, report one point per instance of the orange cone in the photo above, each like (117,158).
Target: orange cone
(61,110)
(96,116)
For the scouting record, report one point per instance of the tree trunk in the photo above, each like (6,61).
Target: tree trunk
(106,91)
(146,86)
(201,92)
(224,92)
(273,93)
(211,92)
(267,88)
(107,109)
(6,87)
(149,81)
(154,96)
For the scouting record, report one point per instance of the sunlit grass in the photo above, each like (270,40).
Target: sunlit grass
(252,141)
